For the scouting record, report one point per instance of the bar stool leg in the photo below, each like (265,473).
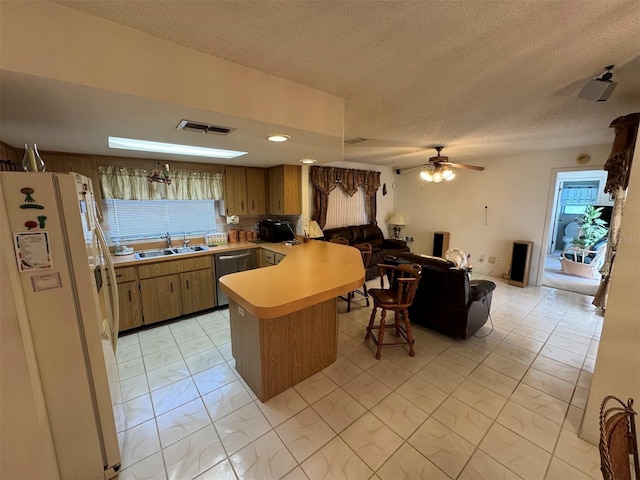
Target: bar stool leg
(366,293)
(381,334)
(371,319)
(407,326)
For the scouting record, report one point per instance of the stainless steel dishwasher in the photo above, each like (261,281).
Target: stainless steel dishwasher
(232,262)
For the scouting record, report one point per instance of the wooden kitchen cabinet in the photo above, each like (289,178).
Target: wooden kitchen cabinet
(256,191)
(130,306)
(271,258)
(172,288)
(285,190)
(235,191)
(245,191)
(161,298)
(198,290)
(128,298)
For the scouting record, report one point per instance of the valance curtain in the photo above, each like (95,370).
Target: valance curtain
(618,167)
(325,180)
(133,184)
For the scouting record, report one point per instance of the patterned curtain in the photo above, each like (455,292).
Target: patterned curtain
(618,168)
(325,179)
(133,184)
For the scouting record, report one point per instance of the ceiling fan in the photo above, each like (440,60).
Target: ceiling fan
(438,168)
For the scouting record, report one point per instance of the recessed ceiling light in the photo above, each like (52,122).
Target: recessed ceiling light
(278,137)
(308,161)
(173,148)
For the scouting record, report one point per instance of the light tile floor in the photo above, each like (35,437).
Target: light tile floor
(505,404)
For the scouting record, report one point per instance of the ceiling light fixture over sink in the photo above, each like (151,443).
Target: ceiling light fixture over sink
(278,137)
(308,161)
(172,148)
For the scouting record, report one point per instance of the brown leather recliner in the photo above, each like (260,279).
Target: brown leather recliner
(357,234)
(446,300)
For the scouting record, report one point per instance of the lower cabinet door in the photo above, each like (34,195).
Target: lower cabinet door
(161,298)
(130,306)
(198,290)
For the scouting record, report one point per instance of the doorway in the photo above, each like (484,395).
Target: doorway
(573,191)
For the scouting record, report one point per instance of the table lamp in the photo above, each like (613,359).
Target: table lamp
(397,220)
(314,230)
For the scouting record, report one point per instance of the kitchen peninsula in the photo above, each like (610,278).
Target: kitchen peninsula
(284,317)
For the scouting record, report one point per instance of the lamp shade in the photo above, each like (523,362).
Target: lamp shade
(396,219)
(314,230)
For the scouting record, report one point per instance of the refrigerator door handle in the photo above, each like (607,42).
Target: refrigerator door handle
(113,286)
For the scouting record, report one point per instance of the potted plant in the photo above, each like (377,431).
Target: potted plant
(592,228)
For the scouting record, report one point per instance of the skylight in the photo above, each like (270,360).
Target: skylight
(173,148)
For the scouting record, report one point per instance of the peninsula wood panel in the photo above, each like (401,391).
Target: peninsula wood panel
(274,354)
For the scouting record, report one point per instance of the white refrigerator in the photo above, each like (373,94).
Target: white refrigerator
(59,269)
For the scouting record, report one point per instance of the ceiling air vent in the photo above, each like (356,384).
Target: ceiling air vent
(352,141)
(203,128)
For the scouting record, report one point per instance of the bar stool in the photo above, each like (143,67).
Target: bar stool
(403,283)
(366,250)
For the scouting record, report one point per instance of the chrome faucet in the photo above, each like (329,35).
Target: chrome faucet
(168,237)
(185,242)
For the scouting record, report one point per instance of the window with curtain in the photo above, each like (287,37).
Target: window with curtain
(138,219)
(137,208)
(346,210)
(352,183)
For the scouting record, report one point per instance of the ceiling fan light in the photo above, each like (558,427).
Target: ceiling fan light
(450,177)
(448,174)
(426,176)
(437,177)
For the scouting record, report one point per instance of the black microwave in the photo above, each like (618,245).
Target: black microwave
(276,231)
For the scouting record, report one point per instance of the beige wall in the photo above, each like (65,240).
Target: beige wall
(617,370)
(515,190)
(71,46)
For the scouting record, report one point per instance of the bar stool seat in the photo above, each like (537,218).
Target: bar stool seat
(403,282)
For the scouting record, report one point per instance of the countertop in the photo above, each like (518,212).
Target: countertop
(311,273)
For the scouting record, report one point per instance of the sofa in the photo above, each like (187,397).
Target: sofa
(446,300)
(372,234)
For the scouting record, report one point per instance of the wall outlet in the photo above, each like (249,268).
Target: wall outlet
(240,311)
(496,260)
(492,259)
(408,239)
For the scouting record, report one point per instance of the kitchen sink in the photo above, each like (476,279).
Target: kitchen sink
(190,249)
(158,252)
(163,252)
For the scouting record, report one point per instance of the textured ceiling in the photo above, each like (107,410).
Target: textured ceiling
(483,78)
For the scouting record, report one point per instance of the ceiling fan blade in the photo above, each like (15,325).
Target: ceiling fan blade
(462,165)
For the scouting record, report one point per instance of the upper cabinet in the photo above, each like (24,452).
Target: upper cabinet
(285,190)
(235,190)
(245,191)
(256,191)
